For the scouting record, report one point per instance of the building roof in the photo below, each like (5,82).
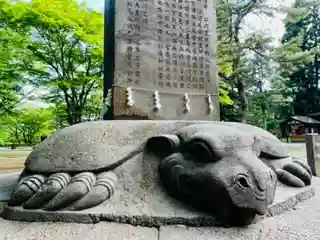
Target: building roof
(305,119)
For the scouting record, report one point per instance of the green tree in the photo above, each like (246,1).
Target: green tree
(27,125)
(236,50)
(91,111)
(66,42)
(13,62)
(300,58)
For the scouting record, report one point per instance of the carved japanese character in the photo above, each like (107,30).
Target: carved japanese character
(168,85)
(161,84)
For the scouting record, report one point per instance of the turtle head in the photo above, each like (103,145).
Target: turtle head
(249,182)
(232,165)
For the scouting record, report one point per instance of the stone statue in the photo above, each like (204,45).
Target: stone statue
(229,170)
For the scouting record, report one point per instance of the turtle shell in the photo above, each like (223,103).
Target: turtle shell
(239,135)
(93,145)
(271,146)
(81,147)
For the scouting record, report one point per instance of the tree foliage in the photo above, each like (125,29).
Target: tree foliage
(27,125)
(300,52)
(66,45)
(256,72)
(13,63)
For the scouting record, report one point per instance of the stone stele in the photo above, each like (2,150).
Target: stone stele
(165,60)
(172,172)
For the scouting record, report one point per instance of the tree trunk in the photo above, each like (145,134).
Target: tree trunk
(243,101)
(74,114)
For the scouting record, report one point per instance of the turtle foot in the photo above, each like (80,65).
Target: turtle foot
(61,191)
(292,171)
(26,188)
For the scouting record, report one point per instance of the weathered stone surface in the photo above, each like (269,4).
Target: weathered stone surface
(168,47)
(300,223)
(150,206)
(92,145)
(66,231)
(139,197)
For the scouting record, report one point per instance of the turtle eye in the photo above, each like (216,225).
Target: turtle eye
(201,151)
(163,146)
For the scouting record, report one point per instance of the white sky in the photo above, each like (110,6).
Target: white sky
(272,25)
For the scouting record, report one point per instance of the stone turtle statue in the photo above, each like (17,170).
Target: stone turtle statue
(229,170)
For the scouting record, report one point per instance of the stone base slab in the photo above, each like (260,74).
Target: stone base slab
(301,222)
(139,198)
(168,212)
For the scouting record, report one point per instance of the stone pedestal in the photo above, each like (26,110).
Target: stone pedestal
(139,198)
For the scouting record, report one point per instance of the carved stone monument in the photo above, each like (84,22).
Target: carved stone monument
(165,61)
(158,172)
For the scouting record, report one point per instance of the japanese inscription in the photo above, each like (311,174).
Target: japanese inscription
(183,48)
(166,45)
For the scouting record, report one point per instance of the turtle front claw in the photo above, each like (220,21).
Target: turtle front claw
(26,188)
(102,190)
(61,191)
(293,172)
